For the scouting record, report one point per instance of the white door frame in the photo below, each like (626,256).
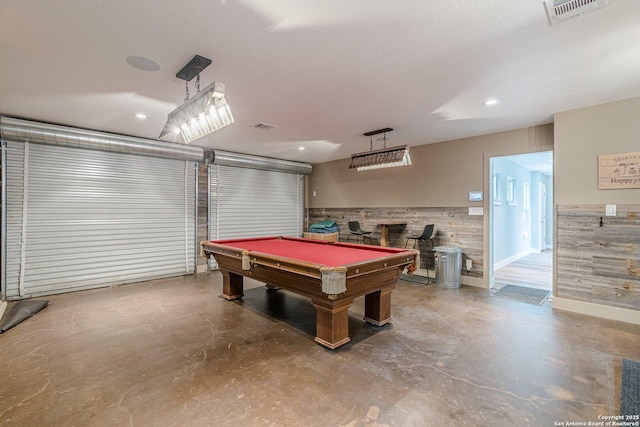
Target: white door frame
(488,279)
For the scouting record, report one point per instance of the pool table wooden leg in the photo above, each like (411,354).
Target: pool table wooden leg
(377,306)
(332,322)
(232,285)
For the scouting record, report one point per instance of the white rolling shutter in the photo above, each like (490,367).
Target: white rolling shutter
(79,219)
(13,226)
(247,202)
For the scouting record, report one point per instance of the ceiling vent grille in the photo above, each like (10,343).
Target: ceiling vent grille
(561,10)
(264,126)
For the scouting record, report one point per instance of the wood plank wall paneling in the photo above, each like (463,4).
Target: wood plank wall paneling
(453,226)
(599,264)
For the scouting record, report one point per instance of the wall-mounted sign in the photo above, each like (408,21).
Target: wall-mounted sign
(619,171)
(475,196)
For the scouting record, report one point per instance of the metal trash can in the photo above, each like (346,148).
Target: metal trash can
(448,266)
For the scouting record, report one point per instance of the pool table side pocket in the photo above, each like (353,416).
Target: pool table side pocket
(334,280)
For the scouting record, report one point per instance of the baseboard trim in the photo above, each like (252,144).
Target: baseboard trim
(473,281)
(597,310)
(464,280)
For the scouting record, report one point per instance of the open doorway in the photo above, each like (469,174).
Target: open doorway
(521,236)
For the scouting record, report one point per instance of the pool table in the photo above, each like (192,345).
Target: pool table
(332,274)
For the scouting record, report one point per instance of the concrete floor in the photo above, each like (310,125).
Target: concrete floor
(172,353)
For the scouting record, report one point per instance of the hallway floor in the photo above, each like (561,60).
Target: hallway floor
(172,353)
(532,271)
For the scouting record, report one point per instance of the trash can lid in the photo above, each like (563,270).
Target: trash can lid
(446,249)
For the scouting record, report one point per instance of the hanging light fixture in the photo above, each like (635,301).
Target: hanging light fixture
(204,113)
(383,158)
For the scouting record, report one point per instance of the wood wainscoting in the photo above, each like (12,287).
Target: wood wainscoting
(453,227)
(599,264)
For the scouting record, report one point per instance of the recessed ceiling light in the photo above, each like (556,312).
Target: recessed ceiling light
(142,63)
(491,101)
(141,116)
(301,148)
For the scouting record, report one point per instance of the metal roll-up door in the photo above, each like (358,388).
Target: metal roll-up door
(79,219)
(252,202)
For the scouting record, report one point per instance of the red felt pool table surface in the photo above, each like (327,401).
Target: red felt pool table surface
(314,251)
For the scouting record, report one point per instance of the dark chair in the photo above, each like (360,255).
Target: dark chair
(427,235)
(355,230)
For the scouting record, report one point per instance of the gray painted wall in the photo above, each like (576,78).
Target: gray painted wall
(442,174)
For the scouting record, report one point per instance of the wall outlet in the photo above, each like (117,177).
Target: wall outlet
(469,264)
(611,210)
(476,210)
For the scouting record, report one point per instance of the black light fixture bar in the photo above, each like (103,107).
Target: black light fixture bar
(193,68)
(376,132)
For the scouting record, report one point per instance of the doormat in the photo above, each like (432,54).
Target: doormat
(630,390)
(412,278)
(522,294)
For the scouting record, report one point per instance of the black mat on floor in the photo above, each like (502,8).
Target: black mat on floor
(630,390)
(20,312)
(522,294)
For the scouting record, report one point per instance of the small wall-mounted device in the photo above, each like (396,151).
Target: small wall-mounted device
(475,196)
(469,264)
(611,210)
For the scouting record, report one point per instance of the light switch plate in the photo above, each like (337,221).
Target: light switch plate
(476,210)
(611,210)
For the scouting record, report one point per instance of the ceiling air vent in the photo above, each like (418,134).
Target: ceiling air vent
(561,10)
(264,126)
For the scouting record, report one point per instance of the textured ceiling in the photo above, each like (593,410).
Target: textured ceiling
(322,71)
